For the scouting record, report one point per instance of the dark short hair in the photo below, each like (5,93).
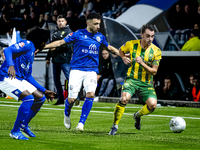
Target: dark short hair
(61,16)
(37,36)
(147,26)
(196,32)
(93,16)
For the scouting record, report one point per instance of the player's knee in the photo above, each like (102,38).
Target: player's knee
(151,103)
(124,100)
(90,94)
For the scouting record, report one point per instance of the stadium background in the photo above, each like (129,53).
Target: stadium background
(118,31)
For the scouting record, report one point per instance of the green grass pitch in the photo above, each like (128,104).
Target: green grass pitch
(51,133)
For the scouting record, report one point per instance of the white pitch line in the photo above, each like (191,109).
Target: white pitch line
(103,112)
(73,106)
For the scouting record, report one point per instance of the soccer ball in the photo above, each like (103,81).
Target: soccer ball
(177,124)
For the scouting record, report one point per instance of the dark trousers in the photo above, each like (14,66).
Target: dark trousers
(57,67)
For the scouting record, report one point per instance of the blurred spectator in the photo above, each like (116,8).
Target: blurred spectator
(53,19)
(67,5)
(16,2)
(41,20)
(196,89)
(55,6)
(13,11)
(55,13)
(169,91)
(77,7)
(196,26)
(33,20)
(87,6)
(4,10)
(99,6)
(46,8)
(24,24)
(47,17)
(23,8)
(124,5)
(187,15)
(72,21)
(187,95)
(197,16)
(70,15)
(176,18)
(106,75)
(5,24)
(36,8)
(111,8)
(192,44)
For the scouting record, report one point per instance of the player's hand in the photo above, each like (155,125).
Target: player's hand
(139,60)
(49,95)
(11,72)
(47,62)
(126,59)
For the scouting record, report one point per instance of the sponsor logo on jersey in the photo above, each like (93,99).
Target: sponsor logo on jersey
(85,36)
(26,68)
(93,47)
(21,44)
(70,34)
(17,46)
(98,38)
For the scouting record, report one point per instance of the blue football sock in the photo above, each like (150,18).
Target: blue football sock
(87,106)
(23,111)
(68,107)
(34,110)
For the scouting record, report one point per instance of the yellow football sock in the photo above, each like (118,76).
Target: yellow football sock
(119,110)
(144,111)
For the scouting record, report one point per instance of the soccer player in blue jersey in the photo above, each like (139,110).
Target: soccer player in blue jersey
(84,65)
(16,80)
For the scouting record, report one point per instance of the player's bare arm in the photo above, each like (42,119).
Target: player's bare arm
(113,50)
(11,72)
(152,70)
(54,44)
(125,57)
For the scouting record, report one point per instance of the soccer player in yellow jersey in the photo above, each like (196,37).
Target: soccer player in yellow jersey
(144,59)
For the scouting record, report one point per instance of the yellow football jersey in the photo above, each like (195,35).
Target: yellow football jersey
(150,56)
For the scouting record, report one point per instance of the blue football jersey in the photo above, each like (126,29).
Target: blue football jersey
(21,56)
(85,49)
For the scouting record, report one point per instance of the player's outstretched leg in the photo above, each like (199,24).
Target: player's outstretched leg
(118,112)
(37,104)
(87,106)
(67,112)
(22,113)
(144,111)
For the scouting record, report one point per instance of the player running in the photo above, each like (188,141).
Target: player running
(144,60)
(84,65)
(16,80)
